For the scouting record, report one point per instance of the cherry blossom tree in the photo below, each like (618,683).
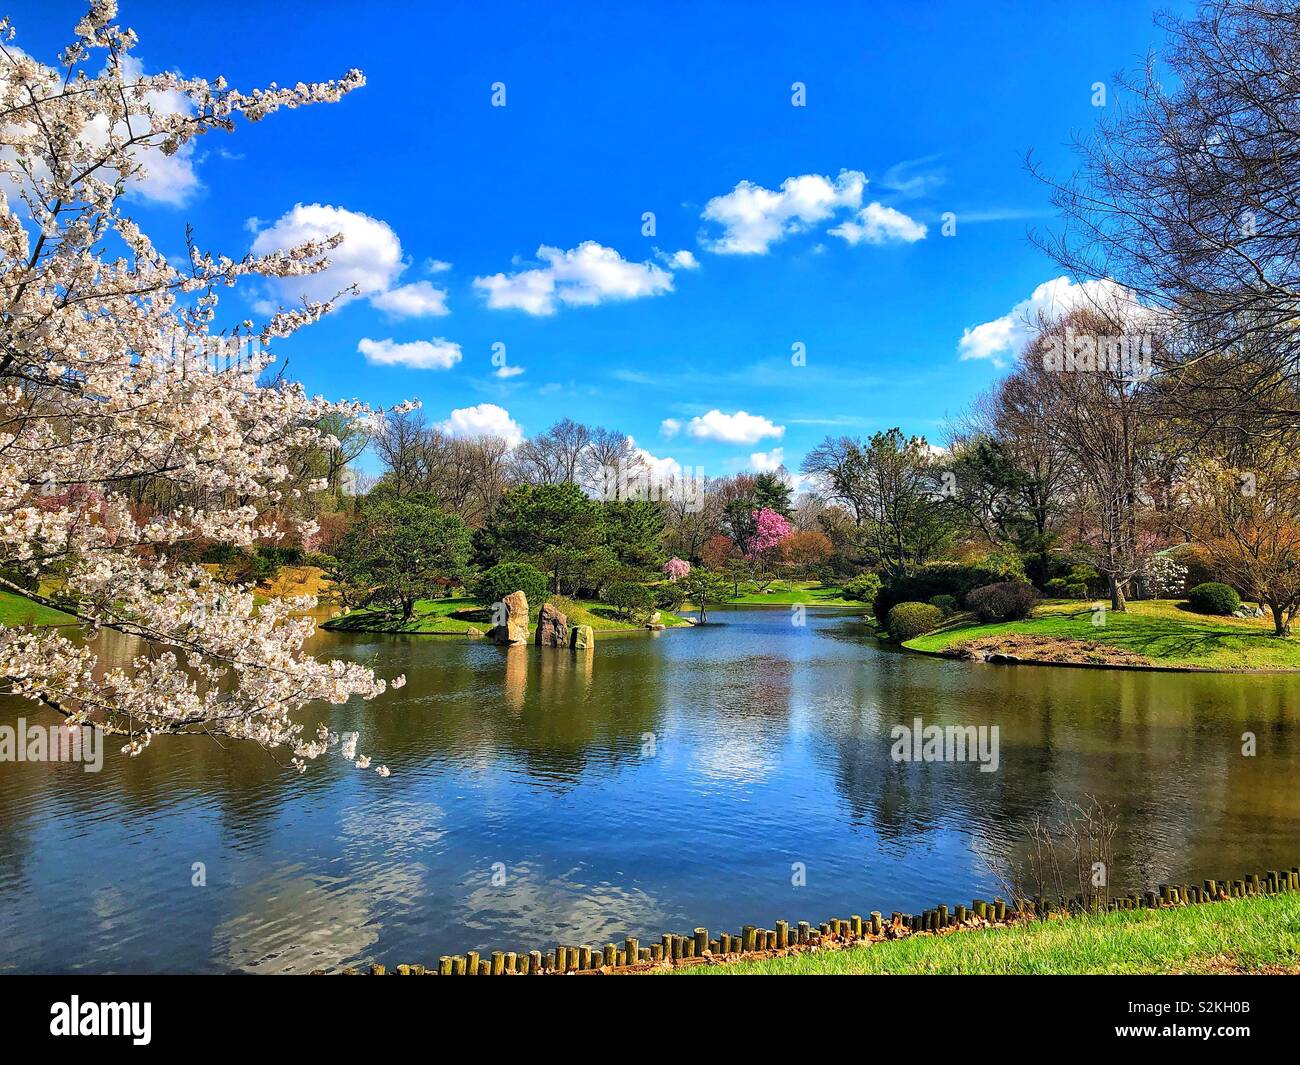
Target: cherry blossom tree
(769,530)
(113,373)
(676,568)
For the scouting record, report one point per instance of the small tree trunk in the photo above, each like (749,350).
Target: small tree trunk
(1117,601)
(1281,623)
(408,608)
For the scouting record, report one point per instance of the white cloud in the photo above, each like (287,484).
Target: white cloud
(738,428)
(169,179)
(670,427)
(483,419)
(1008,334)
(436,354)
(767,461)
(662,470)
(369,257)
(583,276)
(505,372)
(754,218)
(415,300)
(678,260)
(877,224)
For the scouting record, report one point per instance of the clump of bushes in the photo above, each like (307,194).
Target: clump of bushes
(862,588)
(1004,601)
(1213,597)
(506,577)
(946,603)
(906,621)
(670,595)
(957,579)
(1080,582)
(630,599)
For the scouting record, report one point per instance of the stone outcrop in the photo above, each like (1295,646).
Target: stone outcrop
(514,627)
(552,627)
(582,637)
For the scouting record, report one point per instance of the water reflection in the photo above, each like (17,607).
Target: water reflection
(527,806)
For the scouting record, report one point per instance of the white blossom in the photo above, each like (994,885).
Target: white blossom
(105,383)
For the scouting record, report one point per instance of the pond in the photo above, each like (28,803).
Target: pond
(666,781)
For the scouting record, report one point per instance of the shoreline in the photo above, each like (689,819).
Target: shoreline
(675,952)
(1121,667)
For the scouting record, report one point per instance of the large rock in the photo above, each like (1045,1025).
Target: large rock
(582,637)
(514,628)
(552,628)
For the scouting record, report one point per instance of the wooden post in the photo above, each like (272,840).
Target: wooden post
(471,963)
(498,963)
(875,922)
(747,938)
(805,931)
(656,952)
(701,942)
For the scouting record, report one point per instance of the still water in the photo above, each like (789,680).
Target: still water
(668,780)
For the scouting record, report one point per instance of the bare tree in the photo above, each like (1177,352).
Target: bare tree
(555,456)
(1188,193)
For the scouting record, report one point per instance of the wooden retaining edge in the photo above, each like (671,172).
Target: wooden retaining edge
(753,943)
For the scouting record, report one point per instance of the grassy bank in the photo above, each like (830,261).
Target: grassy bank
(810,593)
(15,610)
(1259,934)
(452,617)
(1154,632)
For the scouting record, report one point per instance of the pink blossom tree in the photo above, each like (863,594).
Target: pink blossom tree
(769,530)
(676,568)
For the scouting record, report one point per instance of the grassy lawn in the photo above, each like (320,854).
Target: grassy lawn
(16,611)
(1158,630)
(811,593)
(456,616)
(1250,934)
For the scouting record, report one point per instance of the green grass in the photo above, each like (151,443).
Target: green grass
(1248,934)
(18,611)
(1159,630)
(811,593)
(457,616)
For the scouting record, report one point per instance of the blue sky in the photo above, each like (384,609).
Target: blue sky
(615,110)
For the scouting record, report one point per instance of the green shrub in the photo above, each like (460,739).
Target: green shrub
(1066,588)
(630,599)
(908,620)
(221,554)
(1004,601)
(670,595)
(863,588)
(946,603)
(943,578)
(1214,598)
(506,577)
